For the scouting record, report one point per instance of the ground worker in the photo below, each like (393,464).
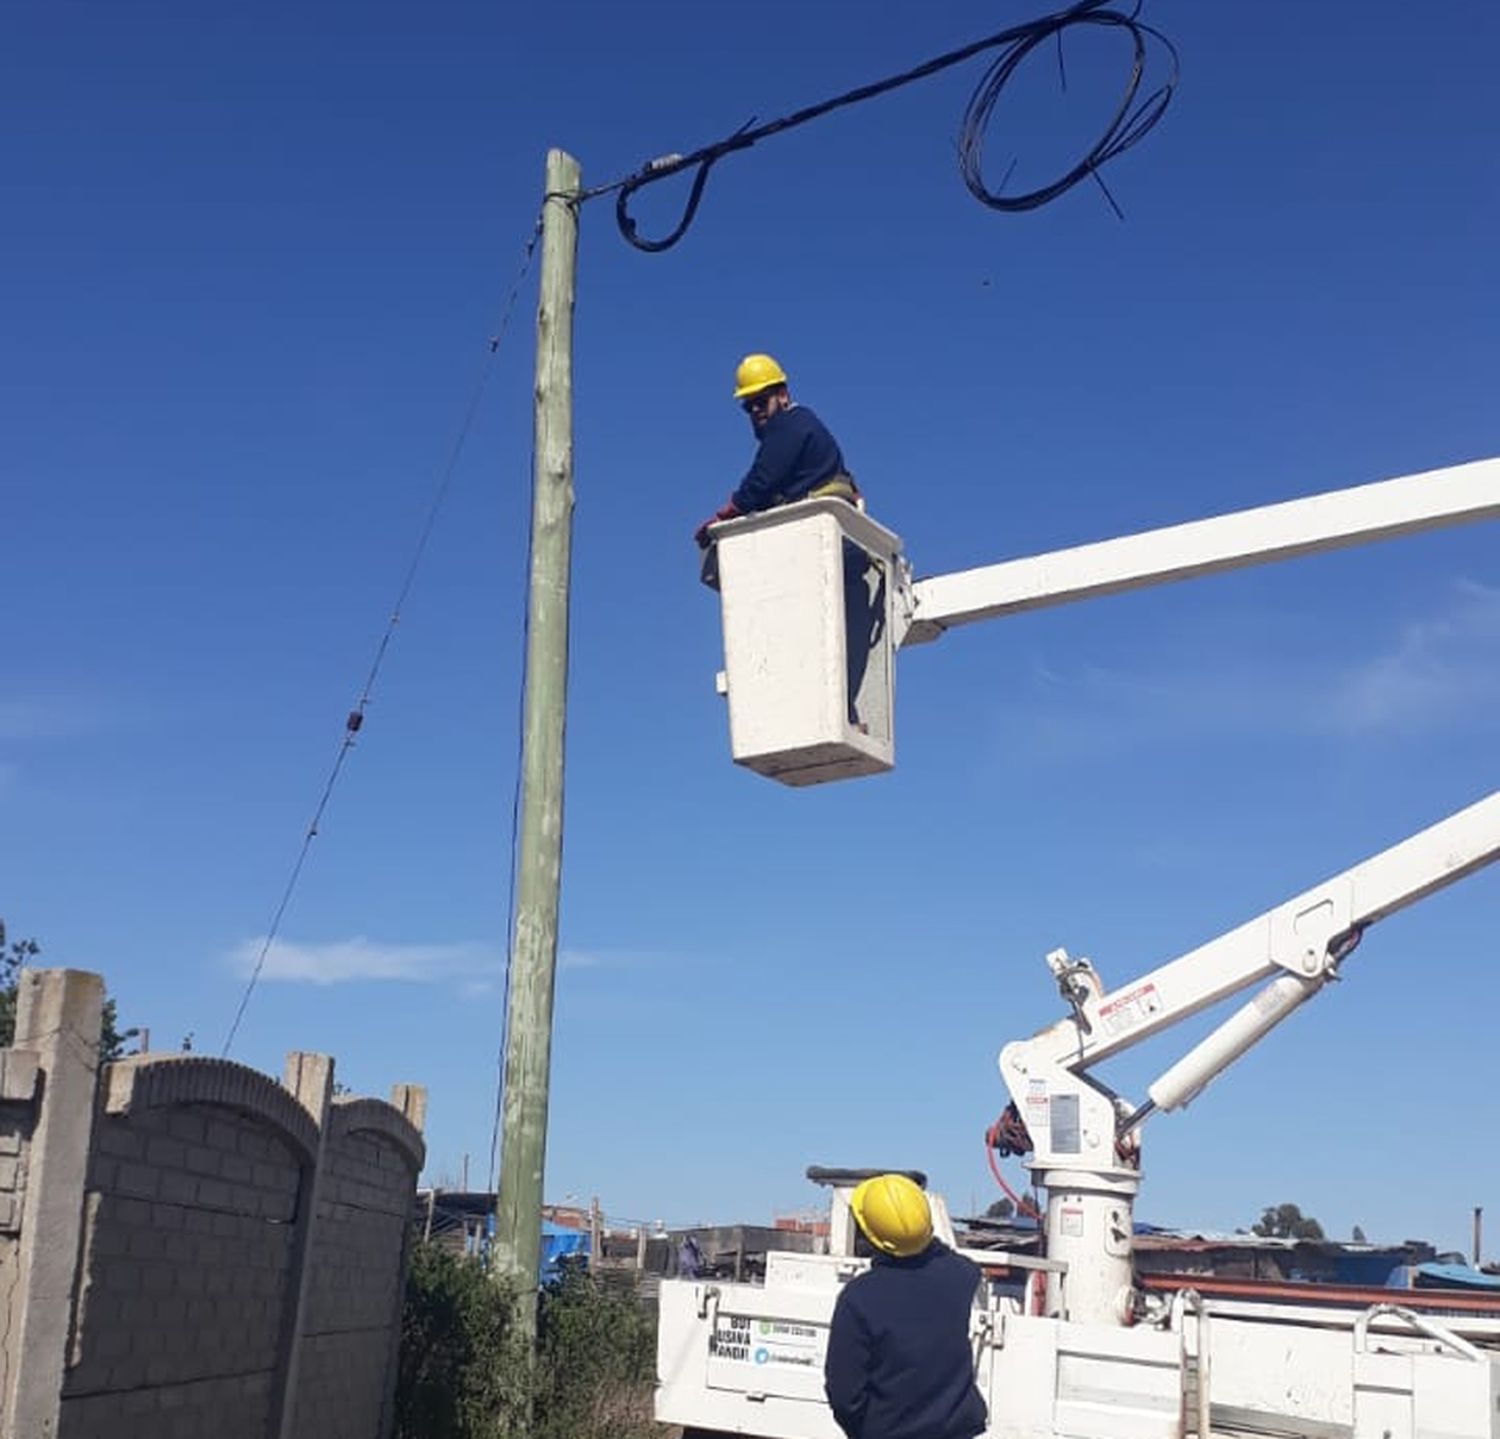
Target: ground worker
(797,459)
(899,1364)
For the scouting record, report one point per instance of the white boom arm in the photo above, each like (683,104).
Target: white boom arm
(1304,939)
(1458,495)
(809,642)
(1084,1136)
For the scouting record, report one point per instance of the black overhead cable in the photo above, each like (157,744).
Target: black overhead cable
(1134,117)
(356,717)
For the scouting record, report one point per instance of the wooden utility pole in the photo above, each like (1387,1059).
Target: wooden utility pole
(533,957)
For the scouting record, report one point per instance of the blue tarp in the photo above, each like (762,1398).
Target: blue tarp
(1441,1276)
(559,1244)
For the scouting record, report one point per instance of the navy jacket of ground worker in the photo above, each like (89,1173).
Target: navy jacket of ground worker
(796,455)
(899,1364)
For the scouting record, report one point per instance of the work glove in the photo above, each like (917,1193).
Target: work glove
(729,512)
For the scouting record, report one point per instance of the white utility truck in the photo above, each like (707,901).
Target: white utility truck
(1066,1344)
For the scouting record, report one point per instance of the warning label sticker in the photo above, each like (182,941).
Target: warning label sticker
(1130,1010)
(1036,1105)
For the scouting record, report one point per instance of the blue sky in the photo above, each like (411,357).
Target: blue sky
(251,261)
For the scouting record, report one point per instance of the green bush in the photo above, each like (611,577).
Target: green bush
(457,1372)
(596,1368)
(462,1375)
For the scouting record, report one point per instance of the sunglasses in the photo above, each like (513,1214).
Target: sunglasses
(755,404)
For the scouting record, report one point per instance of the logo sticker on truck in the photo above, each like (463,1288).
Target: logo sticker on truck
(779,1342)
(787,1332)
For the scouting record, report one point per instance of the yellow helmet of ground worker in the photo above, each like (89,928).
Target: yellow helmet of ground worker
(894,1214)
(757,373)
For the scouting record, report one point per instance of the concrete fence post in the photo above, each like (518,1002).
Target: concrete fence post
(411,1101)
(58,1014)
(309,1077)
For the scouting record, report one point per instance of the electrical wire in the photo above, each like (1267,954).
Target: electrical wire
(1023,1205)
(1134,117)
(356,717)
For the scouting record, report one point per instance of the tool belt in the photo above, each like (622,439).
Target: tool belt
(841,487)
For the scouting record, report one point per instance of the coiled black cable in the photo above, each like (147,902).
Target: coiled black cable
(1134,117)
(1132,120)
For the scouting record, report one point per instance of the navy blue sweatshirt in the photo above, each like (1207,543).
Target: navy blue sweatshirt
(899,1364)
(796,455)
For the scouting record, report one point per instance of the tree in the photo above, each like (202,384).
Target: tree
(18,955)
(1000,1209)
(111,1037)
(14,957)
(1286,1221)
(1359,1235)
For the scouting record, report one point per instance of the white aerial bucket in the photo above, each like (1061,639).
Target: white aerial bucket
(808,593)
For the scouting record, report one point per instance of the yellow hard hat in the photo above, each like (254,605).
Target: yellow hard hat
(894,1214)
(757,373)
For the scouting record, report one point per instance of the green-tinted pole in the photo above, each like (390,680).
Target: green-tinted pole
(533,962)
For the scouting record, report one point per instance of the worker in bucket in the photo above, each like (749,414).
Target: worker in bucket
(899,1364)
(798,459)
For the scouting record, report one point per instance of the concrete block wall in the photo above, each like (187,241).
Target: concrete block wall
(190,1209)
(371,1158)
(18,1080)
(231,1271)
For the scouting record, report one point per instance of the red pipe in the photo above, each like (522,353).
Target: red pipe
(1286,1291)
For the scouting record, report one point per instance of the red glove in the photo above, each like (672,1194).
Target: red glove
(729,512)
